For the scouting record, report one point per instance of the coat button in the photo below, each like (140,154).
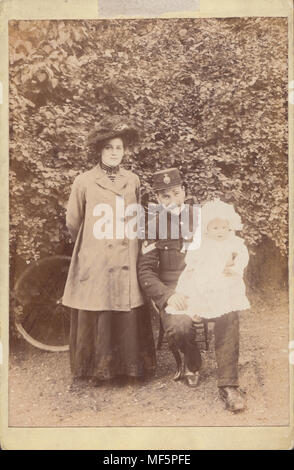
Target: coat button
(166,248)
(110,270)
(110,246)
(125,268)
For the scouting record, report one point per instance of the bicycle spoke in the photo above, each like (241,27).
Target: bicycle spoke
(39,290)
(49,331)
(29,321)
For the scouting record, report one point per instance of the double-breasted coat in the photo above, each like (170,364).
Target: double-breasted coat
(102,274)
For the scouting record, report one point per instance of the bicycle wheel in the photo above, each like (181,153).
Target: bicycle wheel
(44,321)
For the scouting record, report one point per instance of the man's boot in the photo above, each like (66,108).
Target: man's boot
(233,399)
(191,378)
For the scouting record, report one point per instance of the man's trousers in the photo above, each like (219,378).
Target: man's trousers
(180,333)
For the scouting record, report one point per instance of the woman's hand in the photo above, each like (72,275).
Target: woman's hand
(178,302)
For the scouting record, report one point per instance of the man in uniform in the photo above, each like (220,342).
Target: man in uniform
(160,264)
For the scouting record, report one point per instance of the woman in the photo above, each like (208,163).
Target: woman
(110,333)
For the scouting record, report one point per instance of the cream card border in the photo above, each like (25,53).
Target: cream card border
(130,437)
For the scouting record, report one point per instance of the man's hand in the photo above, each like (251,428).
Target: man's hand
(178,302)
(197,319)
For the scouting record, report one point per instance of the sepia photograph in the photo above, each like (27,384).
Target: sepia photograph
(149,222)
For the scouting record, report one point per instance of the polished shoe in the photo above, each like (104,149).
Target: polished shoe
(233,399)
(192,380)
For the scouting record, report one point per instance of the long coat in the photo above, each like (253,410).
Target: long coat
(102,273)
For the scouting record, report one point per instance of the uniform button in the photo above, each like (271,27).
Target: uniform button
(110,270)
(125,268)
(166,248)
(122,219)
(181,223)
(110,246)
(124,243)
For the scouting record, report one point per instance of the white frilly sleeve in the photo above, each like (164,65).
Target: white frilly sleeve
(242,258)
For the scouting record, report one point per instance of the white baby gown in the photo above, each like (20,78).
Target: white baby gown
(211,294)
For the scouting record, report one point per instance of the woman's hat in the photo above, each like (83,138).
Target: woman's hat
(165,179)
(113,126)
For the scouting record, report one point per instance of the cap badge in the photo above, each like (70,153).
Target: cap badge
(166,179)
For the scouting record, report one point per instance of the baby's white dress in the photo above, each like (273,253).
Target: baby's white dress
(211,294)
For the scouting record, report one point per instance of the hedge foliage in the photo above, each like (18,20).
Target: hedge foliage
(209,94)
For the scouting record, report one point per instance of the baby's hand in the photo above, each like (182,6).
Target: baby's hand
(228,272)
(230,262)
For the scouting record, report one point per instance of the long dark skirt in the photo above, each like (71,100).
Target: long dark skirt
(108,344)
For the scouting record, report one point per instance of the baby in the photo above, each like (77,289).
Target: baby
(212,281)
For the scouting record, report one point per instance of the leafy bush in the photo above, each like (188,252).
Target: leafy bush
(209,94)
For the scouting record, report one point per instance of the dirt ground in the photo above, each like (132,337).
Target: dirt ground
(39,384)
